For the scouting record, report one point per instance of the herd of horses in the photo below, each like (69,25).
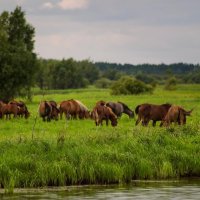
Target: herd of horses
(102,111)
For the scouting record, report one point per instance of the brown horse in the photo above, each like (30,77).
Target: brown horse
(1,105)
(176,114)
(101,113)
(8,109)
(22,109)
(45,110)
(71,109)
(147,112)
(55,111)
(119,108)
(48,110)
(84,112)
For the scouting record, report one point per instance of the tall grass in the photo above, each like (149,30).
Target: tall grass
(77,152)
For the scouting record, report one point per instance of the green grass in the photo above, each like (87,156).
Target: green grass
(77,152)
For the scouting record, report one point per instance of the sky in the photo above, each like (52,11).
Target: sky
(120,31)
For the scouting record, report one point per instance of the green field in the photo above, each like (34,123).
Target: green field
(36,153)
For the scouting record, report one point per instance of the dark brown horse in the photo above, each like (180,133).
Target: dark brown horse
(147,112)
(55,111)
(101,102)
(119,108)
(100,113)
(176,114)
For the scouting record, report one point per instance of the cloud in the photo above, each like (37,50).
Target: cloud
(48,5)
(73,4)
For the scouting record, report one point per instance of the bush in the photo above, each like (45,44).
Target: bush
(127,85)
(170,84)
(103,83)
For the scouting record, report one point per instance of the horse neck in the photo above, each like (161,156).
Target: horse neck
(127,111)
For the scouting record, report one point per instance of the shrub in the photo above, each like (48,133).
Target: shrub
(128,85)
(170,84)
(103,83)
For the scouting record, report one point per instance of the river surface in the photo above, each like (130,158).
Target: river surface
(177,190)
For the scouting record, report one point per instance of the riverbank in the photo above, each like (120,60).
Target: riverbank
(101,157)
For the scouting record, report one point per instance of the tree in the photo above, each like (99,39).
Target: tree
(17,59)
(67,74)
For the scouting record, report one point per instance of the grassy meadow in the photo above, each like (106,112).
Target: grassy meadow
(38,154)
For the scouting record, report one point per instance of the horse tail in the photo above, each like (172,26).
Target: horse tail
(137,109)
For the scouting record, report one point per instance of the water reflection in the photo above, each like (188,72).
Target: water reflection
(138,190)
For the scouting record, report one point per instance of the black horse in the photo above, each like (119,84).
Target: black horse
(119,108)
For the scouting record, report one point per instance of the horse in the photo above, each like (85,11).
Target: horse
(84,111)
(71,109)
(101,112)
(119,108)
(176,114)
(147,112)
(8,109)
(1,105)
(55,110)
(45,110)
(101,102)
(22,109)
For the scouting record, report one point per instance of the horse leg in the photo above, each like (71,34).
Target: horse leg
(154,123)
(145,122)
(106,121)
(161,123)
(138,121)
(61,113)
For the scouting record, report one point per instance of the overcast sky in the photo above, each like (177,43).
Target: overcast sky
(122,31)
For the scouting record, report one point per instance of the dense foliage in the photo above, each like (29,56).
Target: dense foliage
(55,74)
(128,85)
(69,73)
(176,68)
(17,59)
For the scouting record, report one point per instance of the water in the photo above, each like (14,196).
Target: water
(137,190)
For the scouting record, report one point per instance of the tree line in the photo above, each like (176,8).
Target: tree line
(21,69)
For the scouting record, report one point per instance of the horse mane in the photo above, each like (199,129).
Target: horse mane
(124,105)
(167,105)
(137,109)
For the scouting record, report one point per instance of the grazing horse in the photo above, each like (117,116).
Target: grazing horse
(147,112)
(55,111)
(176,114)
(101,102)
(119,108)
(101,113)
(22,109)
(45,110)
(71,109)
(1,105)
(84,111)
(8,109)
